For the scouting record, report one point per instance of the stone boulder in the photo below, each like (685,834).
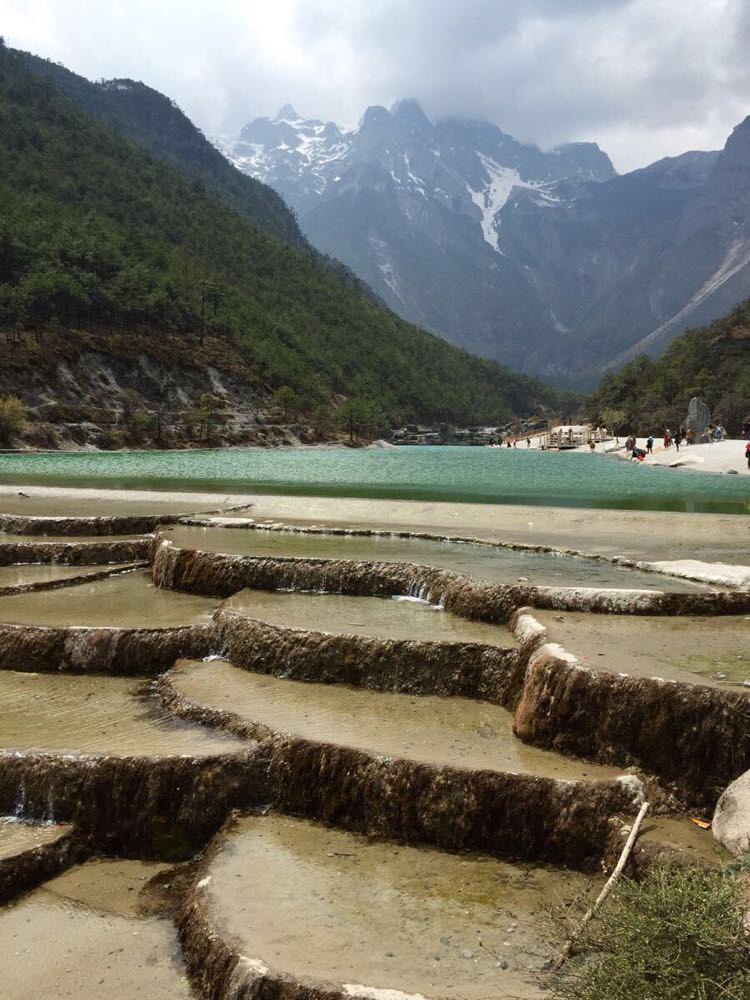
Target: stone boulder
(731,822)
(698,417)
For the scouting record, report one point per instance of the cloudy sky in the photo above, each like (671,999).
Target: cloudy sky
(644,78)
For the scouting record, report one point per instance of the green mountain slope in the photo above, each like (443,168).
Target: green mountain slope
(711,361)
(96,234)
(151,120)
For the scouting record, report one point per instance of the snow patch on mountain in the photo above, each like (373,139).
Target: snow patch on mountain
(495,194)
(295,156)
(386,267)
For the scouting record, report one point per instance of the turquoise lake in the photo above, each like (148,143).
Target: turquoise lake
(478,475)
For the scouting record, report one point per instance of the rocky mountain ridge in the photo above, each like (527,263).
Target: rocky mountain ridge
(548,261)
(469,160)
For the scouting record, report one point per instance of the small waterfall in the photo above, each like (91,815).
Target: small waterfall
(49,809)
(19,809)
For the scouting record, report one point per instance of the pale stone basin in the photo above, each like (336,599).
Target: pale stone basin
(58,713)
(454,732)
(17,837)
(126,601)
(17,576)
(483,562)
(381,617)
(84,936)
(690,648)
(331,907)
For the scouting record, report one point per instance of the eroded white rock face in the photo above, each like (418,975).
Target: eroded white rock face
(731,822)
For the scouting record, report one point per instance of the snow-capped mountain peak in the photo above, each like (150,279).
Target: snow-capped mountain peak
(425,212)
(287,114)
(468,168)
(545,260)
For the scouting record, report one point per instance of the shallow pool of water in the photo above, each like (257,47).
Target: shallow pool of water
(335,907)
(456,732)
(58,713)
(126,601)
(88,934)
(688,648)
(482,475)
(386,618)
(16,576)
(680,834)
(484,562)
(17,837)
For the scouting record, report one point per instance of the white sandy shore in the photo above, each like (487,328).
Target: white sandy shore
(725,456)
(642,535)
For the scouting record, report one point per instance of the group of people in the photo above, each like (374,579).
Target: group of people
(638,454)
(675,439)
(713,433)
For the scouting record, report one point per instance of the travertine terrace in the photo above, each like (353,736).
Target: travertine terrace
(289,760)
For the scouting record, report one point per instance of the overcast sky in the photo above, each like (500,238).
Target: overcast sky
(643,78)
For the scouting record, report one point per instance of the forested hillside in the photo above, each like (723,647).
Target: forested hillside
(712,362)
(155,122)
(95,234)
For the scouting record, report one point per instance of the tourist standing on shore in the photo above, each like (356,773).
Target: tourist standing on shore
(667,438)
(632,446)
(747,453)
(677,439)
(650,444)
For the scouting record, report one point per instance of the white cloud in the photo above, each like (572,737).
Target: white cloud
(644,78)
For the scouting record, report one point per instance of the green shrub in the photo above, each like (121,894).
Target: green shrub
(677,935)
(13,417)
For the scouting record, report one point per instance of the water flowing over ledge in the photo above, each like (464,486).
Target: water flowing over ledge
(450,669)
(73,553)
(126,651)
(503,813)
(221,575)
(670,730)
(136,806)
(681,743)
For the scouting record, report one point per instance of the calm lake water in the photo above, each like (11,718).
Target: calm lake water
(479,475)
